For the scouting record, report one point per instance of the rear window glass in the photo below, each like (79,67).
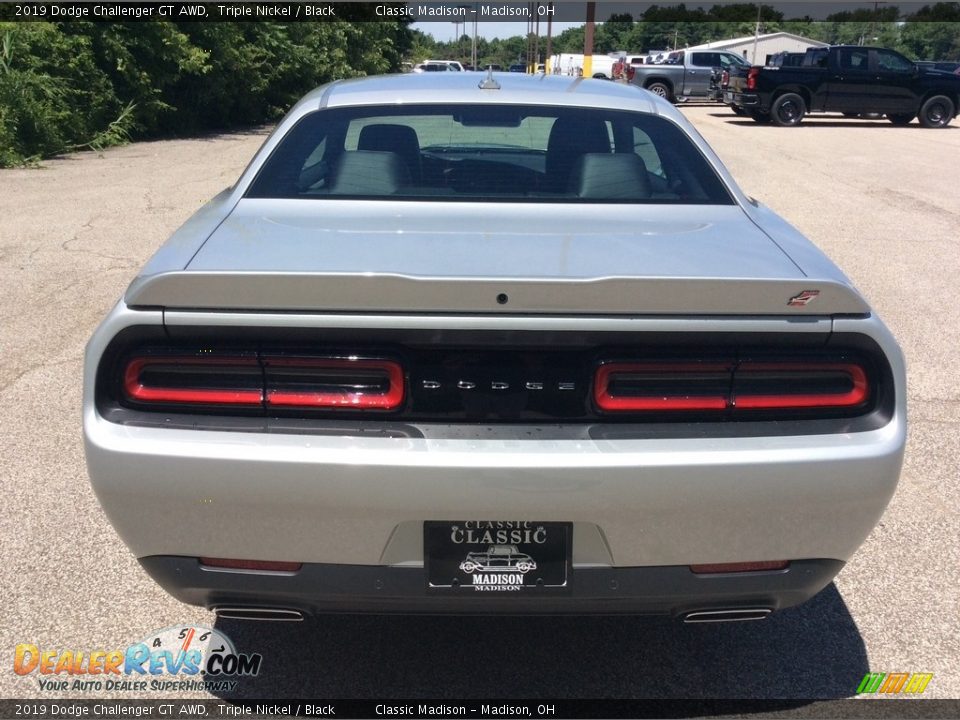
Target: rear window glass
(488,153)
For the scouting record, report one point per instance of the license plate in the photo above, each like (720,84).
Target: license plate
(497,556)
(728,97)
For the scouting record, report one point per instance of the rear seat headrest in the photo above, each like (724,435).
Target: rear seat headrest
(369,172)
(603,176)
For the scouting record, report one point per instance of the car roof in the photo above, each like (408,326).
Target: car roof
(515,89)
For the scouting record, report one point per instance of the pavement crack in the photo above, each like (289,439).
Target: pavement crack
(85,228)
(33,368)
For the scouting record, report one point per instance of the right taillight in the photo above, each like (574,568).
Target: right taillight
(650,387)
(752,74)
(772,385)
(715,387)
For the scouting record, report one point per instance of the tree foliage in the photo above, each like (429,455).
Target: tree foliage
(81,84)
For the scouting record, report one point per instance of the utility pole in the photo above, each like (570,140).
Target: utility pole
(531,10)
(536,42)
(873,20)
(756,34)
(549,61)
(588,39)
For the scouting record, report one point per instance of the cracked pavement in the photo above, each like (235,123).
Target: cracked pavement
(882,201)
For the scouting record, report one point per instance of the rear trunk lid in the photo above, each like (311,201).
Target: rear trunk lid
(313,256)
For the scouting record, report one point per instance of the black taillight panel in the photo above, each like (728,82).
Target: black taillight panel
(476,379)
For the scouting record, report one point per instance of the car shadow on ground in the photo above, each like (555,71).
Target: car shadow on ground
(811,651)
(825,123)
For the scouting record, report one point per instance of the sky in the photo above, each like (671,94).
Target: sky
(445,32)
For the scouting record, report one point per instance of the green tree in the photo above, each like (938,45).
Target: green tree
(72,84)
(569,41)
(52,95)
(614,34)
(931,40)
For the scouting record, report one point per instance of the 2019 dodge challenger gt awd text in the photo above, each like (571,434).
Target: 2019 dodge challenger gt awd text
(449,312)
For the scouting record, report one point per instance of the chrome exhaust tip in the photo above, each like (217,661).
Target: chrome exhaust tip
(258,613)
(733,615)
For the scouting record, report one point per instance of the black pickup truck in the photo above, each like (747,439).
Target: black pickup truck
(851,80)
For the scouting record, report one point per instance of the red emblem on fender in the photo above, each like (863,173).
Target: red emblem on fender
(803,299)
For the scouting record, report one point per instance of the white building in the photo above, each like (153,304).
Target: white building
(769,44)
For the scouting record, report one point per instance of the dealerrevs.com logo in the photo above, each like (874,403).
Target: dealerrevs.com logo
(894,683)
(170,659)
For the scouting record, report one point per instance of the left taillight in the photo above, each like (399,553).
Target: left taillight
(328,383)
(194,380)
(264,382)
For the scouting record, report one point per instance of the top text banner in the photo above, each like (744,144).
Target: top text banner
(312,11)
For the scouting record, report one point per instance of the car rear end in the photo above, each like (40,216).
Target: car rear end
(333,401)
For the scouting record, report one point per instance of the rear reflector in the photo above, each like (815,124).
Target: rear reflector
(349,382)
(621,387)
(194,380)
(258,565)
(763,566)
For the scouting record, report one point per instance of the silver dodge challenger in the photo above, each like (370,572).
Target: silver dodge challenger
(443,312)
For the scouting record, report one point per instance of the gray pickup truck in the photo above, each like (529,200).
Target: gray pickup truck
(685,74)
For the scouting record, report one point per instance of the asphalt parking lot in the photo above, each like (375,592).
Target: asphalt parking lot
(882,201)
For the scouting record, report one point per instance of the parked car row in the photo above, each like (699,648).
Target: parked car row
(438,66)
(685,75)
(853,80)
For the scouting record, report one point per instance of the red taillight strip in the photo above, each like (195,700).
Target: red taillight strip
(389,400)
(620,403)
(136,390)
(857,395)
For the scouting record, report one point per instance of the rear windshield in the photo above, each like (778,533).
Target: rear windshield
(489,153)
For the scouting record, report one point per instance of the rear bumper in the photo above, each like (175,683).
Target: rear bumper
(362,501)
(324,588)
(745,100)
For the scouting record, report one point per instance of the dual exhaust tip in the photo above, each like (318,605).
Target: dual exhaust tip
(259,613)
(269,614)
(730,615)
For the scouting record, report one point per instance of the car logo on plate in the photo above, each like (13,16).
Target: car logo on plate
(498,568)
(804,298)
